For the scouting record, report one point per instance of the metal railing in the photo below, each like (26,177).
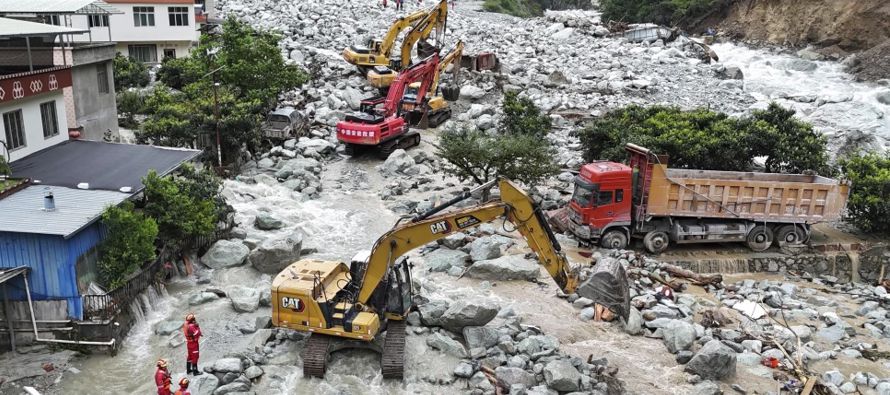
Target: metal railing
(107,306)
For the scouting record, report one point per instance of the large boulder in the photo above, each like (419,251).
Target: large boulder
(509,376)
(449,346)
(204,384)
(244,299)
(297,167)
(472,92)
(226,365)
(232,387)
(398,162)
(277,252)
(321,146)
(562,376)
(167,327)
(202,297)
(481,336)
(715,361)
(443,259)
(485,248)
(510,267)
(678,335)
(634,324)
(225,253)
(465,313)
(267,221)
(432,311)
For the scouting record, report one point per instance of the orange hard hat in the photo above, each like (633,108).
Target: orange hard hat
(162,363)
(190,317)
(184,382)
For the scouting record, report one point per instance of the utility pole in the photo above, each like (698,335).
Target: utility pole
(216,115)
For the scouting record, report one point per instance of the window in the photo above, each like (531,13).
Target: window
(15,129)
(50,121)
(619,195)
(582,195)
(143,16)
(170,53)
(98,20)
(179,16)
(102,77)
(603,198)
(52,20)
(144,53)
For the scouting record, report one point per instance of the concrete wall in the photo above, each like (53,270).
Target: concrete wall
(33,124)
(124,29)
(95,111)
(182,48)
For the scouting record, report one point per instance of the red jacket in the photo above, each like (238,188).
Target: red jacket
(162,381)
(183,391)
(193,332)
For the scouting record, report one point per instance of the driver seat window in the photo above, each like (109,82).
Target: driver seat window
(603,198)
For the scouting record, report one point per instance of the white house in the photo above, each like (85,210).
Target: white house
(146,30)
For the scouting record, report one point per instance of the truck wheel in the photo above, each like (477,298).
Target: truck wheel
(791,235)
(656,242)
(614,239)
(760,238)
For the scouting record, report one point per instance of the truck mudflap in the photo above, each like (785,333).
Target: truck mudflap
(608,286)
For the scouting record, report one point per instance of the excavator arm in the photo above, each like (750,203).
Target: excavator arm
(423,71)
(436,18)
(397,27)
(449,58)
(514,204)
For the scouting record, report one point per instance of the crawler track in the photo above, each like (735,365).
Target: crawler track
(393,359)
(315,355)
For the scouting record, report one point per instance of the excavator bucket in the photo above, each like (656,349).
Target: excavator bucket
(607,286)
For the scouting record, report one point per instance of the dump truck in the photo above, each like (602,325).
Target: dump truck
(613,203)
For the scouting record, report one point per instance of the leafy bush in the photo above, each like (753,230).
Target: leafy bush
(704,139)
(180,207)
(530,8)
(518,150)
(869,203)
(662,12)
(129,73)
(129,244)
(129,103)
(4,166)
(179,72)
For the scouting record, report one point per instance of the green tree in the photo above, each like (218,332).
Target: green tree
(180,215)
(530,8)
(869,204)
(128,245)
(4,166)
(129,73)
(178,73)
(518,150)
(129,103)
(663,12)
(704,139)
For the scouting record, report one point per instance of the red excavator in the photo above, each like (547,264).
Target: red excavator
(383,122)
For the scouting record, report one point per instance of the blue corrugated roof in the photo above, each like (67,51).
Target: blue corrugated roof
(75,208)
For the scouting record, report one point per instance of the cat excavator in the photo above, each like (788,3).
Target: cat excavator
(345,306)
(377,52)
(434,111)
(380,76)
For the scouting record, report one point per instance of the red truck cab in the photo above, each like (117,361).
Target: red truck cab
(600,208)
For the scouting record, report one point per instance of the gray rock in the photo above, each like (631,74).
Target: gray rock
(253,372)
(867,307)
(510,267)
(481,336)
(398,162)
(714,361)
(706,388)
(582,302)
(464,369)
(634,324)
(267,221)
(755,346)
(225,253)
(465,313)
(510,376)
(834,377)
(443,259)
(233,387)
(848,388)
(684,356)
(562,376)
(454,241)
(678,336)
(167,327)
(883,388)
(485,248)
(244,299)
(587,313)
(831,334)
(226,365)
(277,252)
(447,345)
(204,384)
(731,72)
(883,97)
(431,312)
(471,92)
(202,297)
(880,291)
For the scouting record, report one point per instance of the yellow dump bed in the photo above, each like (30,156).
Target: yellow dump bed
(768,197)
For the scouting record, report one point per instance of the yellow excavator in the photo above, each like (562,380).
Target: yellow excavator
(380,76)
(357,302)
(377,52)
(434,111)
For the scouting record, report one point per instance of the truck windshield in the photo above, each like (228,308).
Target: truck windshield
(279,121)
(583,194)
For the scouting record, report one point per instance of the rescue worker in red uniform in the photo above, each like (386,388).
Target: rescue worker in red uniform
(183,387)
(162,378)
(192,338)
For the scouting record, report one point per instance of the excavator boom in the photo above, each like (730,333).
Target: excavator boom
(378,53)
(435,19)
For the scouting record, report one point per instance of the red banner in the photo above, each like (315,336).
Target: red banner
(23,85)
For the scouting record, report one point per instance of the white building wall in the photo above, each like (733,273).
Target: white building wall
(33,124)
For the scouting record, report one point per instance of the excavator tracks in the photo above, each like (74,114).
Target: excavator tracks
(393,359)
(315,355)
